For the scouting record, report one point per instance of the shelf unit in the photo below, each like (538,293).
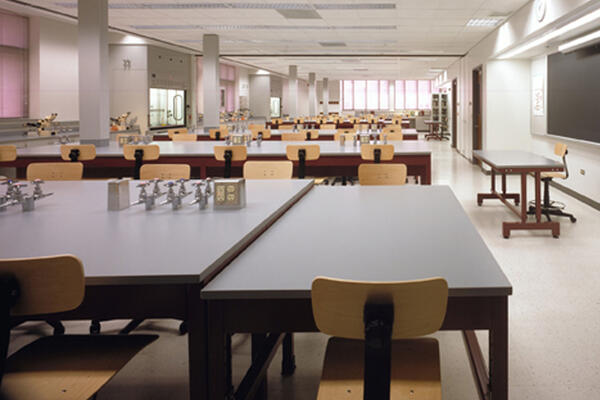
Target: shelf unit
(439,110)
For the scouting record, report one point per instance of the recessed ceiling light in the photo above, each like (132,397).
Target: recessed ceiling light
(263,6)
(484,22)
(263,27)
(332,44)
(299,14)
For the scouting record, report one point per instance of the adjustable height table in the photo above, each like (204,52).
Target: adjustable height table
(523,163)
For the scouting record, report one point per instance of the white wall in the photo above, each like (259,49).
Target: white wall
(53,69)
(508,105)
(260,96)
(129,87)
(334,95)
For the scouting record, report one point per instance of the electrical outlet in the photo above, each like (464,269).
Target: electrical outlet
(582,171)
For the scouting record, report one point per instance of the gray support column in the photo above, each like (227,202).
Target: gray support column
(193,96)
(325,96)
(293,91)
(312,94)
(392,95)
(94,117)
(210,80)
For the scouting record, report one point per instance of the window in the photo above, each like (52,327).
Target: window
(400,95)
(384,94)
(381,95)
(424,94)
(227,75)
(360,102)
(13,66)
(372,95)
(410,94)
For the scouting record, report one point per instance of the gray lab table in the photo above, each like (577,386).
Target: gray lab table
(364,233)
(524,163)
(142,264)
(199,155)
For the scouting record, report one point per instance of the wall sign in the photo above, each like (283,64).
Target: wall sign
(537,96)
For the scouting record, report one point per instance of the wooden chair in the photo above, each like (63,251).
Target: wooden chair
(294,136)
(382,174)
(55,171)
(550,207)
(268,169)
(266,133)
(8,152)
(165,171)
(392,132)
(361,127)
(340,132)
(176,131)
(375,351)
(184,137)
(302,153)
(77,152)
(55,367)
(218,133)
(140,153)
(256,126)
(377,152)
(230,154)
(327,127)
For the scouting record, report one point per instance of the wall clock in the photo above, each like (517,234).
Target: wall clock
(540,9)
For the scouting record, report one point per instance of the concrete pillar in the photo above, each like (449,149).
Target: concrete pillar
(312,94)
(94,117)
(193,95)
(293,91)
(325,96)
(392,94)
(210,80)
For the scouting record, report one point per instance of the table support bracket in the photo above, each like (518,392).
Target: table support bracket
(480,373)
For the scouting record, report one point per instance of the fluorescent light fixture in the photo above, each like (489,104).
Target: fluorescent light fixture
(580,42)
(486,22)
(436,69)
(130,39)
(586,19)
(265,27)
(258,5)
(262,72)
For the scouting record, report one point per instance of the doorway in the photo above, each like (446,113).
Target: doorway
(477,109)
(454,109)
(167,108)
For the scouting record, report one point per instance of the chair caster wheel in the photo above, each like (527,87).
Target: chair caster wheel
(183,328)
(573,219)
(95,328)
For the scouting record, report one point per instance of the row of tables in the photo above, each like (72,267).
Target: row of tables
(335,159)
(250,270)
(324,134)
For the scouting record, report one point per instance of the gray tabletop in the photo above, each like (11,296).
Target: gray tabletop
(373,233)
(278,132)
(273,148)
(134,246)
(502,159)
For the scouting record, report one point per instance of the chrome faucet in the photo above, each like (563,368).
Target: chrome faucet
(173,198)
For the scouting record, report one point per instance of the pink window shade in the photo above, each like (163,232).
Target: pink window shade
(410,93)
(348,95)
(383,95)
(230,97)
(424,94)
(13,31)
(372,95)
(13,83)
(399,95)
(360,101)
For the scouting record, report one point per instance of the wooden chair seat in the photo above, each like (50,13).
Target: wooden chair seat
(415,372)
(165,171)
(557,175)
(382,174)
(268,169)
(8,152)
(68,367)
(55,171)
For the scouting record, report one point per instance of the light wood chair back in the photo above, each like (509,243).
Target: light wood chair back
(313,151)
(382,174)
(238,153)
(268,169)
(354,120)
(176,131)
(86,151)
(55,171)
(328,126)
(560,149)
(392,133)
(367,151)
(361,127)
(277,121)
(256,126)
(266,133)
(46,284)
(397,121)
(347,130)
(151,151)
(212,133)
(419,306)
(392,129)
(184,137)
(165,171)
(8,152)
(293,136)
(314,133)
